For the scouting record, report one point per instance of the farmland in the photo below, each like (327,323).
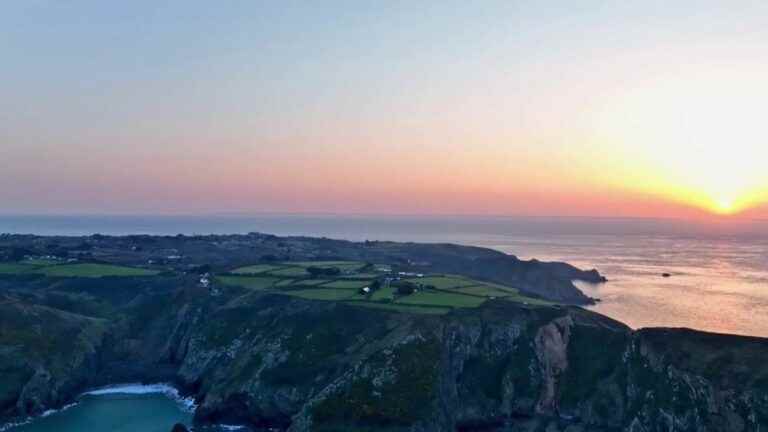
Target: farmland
(352,282)
(86,270)
(434,294)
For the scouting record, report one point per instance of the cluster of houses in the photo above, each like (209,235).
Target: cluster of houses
(404,287)
(165,260)
(49,258)
(207,283)
(205,280)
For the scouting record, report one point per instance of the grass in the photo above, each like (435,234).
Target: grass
(92,270)
(463,285)
(89,270)
(347,284)
(385,293)
(486,291)
(310,282)
(287,282)
(401,307)
(360,276)
(255,283)
(255,269)
(450,292)
(322,294)
(14,268)
(438,298)
(290,282)
(444,282)
(289,271)
(298,268)
(519,298)
(341,265)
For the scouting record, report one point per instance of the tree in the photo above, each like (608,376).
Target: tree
(201,269)
(323,271)
(405,287)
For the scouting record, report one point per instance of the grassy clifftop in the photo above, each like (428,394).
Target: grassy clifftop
(372,286)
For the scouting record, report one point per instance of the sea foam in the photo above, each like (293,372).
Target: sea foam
(7,426)
(187,403)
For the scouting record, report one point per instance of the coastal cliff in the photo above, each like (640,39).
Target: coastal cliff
(274,361)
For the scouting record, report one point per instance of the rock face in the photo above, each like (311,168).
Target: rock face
(45,355)
(178,427)
(271,361)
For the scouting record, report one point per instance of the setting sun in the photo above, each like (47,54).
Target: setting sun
(724,206)
(696,138)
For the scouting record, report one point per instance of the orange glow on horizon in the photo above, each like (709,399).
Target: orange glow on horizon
(693,137)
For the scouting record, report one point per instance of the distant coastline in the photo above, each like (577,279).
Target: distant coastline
(373,227)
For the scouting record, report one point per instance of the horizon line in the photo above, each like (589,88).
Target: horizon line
(245,214)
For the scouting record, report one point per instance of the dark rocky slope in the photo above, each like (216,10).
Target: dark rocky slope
(281,362)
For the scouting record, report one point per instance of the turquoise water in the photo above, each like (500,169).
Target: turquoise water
(154,412)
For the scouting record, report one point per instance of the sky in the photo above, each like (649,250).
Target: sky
(589,108)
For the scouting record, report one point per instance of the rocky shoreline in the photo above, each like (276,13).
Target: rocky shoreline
(302,365)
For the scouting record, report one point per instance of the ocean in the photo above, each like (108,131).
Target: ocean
(719,271)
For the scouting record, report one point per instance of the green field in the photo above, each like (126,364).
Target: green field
(323,294)
(341,265)
(360,276)
(383,294)
(438,298)
(444,282)
(298,269)
(520,298)
(289,271)
(402,307)
(287,282)
(449,292)
(92,270)
(348,284)
(15,268)
(290,282)
(254,269)
(256,283)
(486,291)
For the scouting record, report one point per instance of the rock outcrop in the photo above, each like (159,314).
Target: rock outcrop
(178,427)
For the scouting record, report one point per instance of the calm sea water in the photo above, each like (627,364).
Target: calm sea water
(719,271)
(116,411)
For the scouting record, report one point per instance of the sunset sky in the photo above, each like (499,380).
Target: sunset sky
(589,108)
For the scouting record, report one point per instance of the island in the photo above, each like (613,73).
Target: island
(316,334)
